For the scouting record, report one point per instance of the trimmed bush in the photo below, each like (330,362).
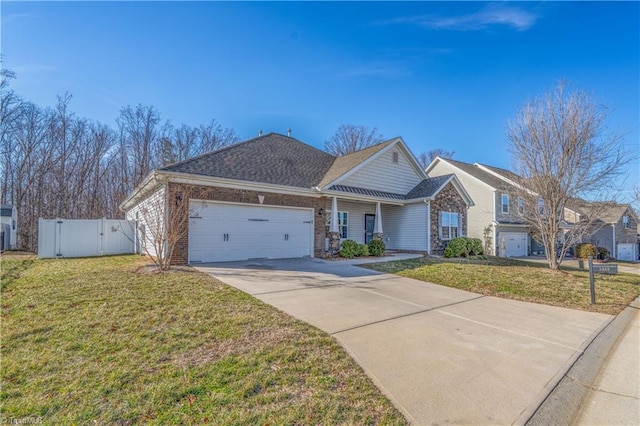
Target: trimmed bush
(363,250)
(376,247)
(602,253)
(348,249)
(584,250)
(474,246)
(457,248)
(464,247)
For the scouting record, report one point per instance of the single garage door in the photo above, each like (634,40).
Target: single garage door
(224,232)
(512,244)
(626,251)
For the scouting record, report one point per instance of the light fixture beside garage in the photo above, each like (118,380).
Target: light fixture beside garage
(261,199)
(321,211)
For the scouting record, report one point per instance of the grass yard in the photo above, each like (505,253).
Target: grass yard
(520,280)
(99,341)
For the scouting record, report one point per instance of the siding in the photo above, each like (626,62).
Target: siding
(151,214)
(482,213)
(405,227)
(355,218)
(383,174)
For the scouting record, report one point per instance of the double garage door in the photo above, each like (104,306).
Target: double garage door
(513,244)
(224,232)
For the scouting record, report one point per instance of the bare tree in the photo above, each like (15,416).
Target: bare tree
(424,159)
(350,138)
(163,221)
(562,152)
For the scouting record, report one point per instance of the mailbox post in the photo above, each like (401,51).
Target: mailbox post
(592,281)
(598,269)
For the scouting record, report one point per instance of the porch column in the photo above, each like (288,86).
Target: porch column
(377,229)
(333,224)
(334,233)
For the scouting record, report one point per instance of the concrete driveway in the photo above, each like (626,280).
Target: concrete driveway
(441,355)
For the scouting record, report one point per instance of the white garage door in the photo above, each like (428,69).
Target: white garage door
(223,232)
(626,252)
(512,244)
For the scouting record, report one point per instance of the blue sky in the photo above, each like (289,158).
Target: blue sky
(439,74)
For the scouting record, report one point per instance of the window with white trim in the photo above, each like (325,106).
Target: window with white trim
(625,221)
(449,225)
(343,224)
(505,204)
(541,206)
(520,206)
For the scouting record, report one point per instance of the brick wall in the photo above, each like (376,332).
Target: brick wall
(448,200)
(180,255)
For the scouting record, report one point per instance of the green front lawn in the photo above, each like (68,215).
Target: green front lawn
(520,280)
(100,341)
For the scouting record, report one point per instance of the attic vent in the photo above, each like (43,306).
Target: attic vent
(395,156)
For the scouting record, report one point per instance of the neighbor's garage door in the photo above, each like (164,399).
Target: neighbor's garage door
(626,251)
(222,232)
(512,244)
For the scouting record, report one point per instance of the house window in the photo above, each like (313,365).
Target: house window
(505,204)
(395,157)
(343,223)
(625,221)
(449,225)
(520,206)
(541,206)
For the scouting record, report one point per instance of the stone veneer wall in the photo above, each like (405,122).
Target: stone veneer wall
(181,252)
(448,200)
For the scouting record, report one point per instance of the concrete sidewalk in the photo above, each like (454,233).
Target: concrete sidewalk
(614,398)
(441,355)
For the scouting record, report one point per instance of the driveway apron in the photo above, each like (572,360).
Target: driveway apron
(441,355)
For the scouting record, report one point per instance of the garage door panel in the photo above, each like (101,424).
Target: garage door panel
(227,232)
(626,251)
(515,244)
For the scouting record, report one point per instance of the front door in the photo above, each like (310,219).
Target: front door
(369,226)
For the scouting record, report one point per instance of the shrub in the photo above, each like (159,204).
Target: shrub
(602,253)
(584,250)
(474,246)
(363,250)
(376,247)
(348,249)
(457,248)
(464,247)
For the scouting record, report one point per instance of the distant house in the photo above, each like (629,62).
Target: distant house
(8,227)
(498,208)
(276,197)
(618,233)
(496,215)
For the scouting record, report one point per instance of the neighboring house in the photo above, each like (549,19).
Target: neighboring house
(496,216)
(276,197)
(8,227)
(618,232)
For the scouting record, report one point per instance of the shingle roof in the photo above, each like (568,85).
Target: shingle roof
(508,174)
(364,191)
(272,158)
(343,164)
(480,174)
(428,187)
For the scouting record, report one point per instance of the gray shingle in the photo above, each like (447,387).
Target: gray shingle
(480,174)
(428,187)
(364,191)
(272,158)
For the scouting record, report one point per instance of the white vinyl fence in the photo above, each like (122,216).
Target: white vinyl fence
(85,237)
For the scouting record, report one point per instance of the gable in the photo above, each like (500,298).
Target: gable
(392,170)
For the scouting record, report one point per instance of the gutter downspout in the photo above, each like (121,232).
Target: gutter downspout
(428,203)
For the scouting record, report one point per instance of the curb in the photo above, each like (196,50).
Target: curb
(563,403)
